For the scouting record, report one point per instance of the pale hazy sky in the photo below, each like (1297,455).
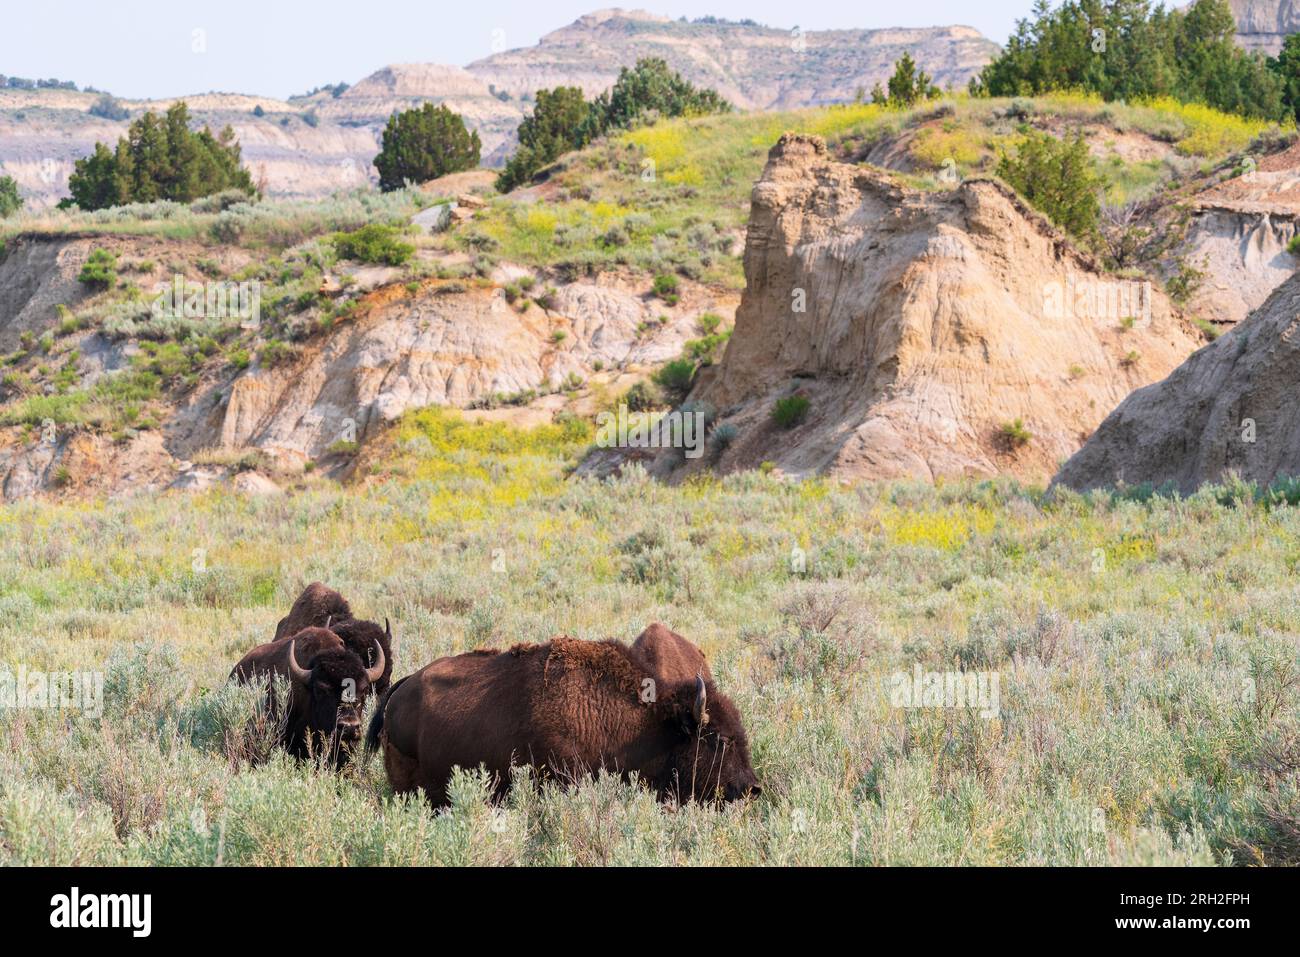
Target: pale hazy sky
(145,48)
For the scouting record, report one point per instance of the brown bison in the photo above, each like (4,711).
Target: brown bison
(565,708)
(328,687)
(320,606)
(317,607)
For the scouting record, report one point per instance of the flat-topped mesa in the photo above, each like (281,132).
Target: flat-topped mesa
(921,326)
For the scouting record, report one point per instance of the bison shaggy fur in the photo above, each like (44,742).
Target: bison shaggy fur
(566,708)
(320,606)
(317,607)
(328,687)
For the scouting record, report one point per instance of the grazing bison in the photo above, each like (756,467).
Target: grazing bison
(320,606)
(328,686)
(565,708)
(317,607)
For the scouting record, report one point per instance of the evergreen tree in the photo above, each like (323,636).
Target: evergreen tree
(650,87)
(557,125)
(1128,49)
(159,158)
(94,183)
(1287,69)
(10,201)
(909,85)
(420,145)
(1056,176)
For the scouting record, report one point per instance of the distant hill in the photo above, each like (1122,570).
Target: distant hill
(753,66)
(313,145)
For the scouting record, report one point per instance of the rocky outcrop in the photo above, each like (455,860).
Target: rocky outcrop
(1236,233)
(446,345)
(36,278)
(1262,25)
(1243,255)
(83,464)
(1231,407)
(921,327)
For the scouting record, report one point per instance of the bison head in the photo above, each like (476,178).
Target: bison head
(710,759)
(368,640)
(334,689)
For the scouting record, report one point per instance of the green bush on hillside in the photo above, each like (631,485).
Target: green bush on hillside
(109,107)
(675,378)
(10,201)
(420,145)
(376,243)
(789,411)
(100,270)
(160,158)
(1057,178)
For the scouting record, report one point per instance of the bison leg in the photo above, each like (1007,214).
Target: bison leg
(403,771)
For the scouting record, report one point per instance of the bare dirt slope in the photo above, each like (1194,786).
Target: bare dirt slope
(932,320)
(1231,407)
(1236,234)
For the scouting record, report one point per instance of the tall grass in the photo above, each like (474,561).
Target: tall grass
(271,224)
(1145,644)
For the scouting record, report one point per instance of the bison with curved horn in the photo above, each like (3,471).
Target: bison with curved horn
(326,694)
(567,708)
(320,606)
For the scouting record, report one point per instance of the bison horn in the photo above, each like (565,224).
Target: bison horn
(377,672)
(327,621)
(700,709)
(297,672)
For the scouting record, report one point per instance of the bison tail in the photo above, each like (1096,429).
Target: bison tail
(377,720)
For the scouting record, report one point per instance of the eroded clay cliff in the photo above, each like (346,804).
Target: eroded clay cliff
(933,334)
(1234,406)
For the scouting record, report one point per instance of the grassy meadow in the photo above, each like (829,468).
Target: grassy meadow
(674,196)
(1145,647)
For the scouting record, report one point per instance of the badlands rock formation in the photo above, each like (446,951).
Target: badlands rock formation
(1233,406)
(920,325)
(753,66)
(1263,24)
(289,149)
(448,343)
(445,346)
(1237,234)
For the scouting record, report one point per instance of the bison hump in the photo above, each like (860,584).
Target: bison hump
(668,657)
